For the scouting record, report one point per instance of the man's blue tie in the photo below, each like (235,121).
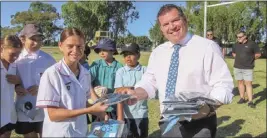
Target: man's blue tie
(172,74)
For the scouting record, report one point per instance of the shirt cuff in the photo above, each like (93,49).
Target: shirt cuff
(45,103)
(151,92)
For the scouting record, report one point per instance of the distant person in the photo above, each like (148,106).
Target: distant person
(210,36)
(84,60)
(11,47)
(136,116)
(245,53)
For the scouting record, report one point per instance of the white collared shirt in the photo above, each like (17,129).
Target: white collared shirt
(30,68)
(201,69)
(8,112)
(59,87)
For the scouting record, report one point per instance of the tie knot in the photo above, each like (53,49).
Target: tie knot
(176,46)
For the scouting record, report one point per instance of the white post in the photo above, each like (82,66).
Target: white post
(205,18)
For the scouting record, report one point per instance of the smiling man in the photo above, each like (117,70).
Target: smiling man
(245,53)
(186,63)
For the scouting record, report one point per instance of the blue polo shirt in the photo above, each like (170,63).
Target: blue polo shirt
(103,74)
(128,77)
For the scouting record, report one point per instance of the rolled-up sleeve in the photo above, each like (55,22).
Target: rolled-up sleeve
(217,75)
(47,94)
(148,81)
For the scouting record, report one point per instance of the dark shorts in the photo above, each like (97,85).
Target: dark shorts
(7,127)
(28,127)
(137,128)
(205,127)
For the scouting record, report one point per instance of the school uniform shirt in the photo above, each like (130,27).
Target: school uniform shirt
(104,74)
(59,87)
(128,77)
(201,69)
(8,112)
(31,66)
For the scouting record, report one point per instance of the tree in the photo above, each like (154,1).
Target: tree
(100,15)
(226,20)
(42,14)
(86,16)
(10,30)
(129,39)
(156,35)
(119,14)
(143,41)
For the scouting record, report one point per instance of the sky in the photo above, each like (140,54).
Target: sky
(147,14)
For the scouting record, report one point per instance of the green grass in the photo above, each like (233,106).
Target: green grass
(233,120)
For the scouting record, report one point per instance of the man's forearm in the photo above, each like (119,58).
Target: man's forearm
(141,93)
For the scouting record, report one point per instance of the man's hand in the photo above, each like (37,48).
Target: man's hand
(20,90)
(33,90)
(130,91)
(203,112)
(13,79)
(218,104)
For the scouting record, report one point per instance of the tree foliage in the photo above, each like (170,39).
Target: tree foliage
(224,20)
(91,16)
(227,20)
(42,14)
(156,35)
(10,30)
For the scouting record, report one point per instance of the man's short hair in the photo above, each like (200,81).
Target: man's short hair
(167,7)
(209,30)
(243,32)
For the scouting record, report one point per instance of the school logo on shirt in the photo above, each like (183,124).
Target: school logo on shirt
(28,105)
(68,85)
(246,46)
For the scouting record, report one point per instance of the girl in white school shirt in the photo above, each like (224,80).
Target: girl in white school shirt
(10,49)
(64,90)
(31,64)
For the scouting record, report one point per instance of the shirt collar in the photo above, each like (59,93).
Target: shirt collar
(2,66)
(64,69)
(137,68)
(113,64)
(184,41)
(26,53)
(11,65)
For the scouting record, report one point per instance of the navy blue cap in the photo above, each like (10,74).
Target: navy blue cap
(132,47)
(106,44)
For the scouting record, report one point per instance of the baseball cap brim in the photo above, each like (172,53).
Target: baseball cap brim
(98,48)
(134,51)
(34,34)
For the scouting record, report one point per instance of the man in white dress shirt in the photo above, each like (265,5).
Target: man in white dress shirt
(201,69)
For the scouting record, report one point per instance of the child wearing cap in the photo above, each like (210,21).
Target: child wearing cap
(64,91)
(135,116)
(31,64)
(103,71)
(10,49)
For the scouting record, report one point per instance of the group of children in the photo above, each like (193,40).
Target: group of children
(52,98)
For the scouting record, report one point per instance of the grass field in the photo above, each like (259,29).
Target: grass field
(233,120)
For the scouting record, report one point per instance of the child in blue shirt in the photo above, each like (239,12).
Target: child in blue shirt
(135,116)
